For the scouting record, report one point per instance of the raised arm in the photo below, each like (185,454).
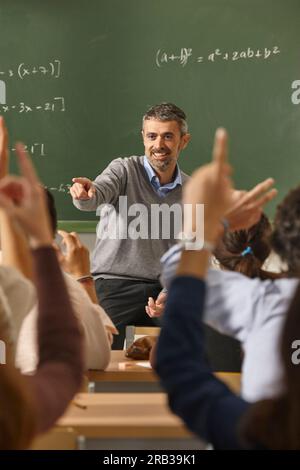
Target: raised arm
(75,261)
(206,405)
(60,368)
(14,245)
(245,208)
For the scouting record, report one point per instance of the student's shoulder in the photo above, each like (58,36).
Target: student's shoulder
(75,290)
(16,287)
(10,275)
(219,275)
(79,297)
(284,287)
(83,305)
(235,284)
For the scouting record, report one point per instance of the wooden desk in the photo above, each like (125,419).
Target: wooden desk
(124,375)
(126,421)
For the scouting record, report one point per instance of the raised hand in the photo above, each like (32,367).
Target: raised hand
(210,185)
(23,199)
(75,260)
(247,206)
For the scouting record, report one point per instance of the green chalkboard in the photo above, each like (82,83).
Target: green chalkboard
(76,77)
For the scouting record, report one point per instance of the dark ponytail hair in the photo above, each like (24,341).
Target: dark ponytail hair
(285,238)
(245,251)
(51,210)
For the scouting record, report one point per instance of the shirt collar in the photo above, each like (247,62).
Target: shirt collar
(154,179)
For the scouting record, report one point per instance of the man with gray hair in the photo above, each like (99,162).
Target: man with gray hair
(125,261)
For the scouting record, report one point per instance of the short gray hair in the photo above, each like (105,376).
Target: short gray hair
(167,112)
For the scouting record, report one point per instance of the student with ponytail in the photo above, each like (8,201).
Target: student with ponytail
(206,404)
(245,251)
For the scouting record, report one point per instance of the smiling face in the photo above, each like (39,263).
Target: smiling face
(163,142)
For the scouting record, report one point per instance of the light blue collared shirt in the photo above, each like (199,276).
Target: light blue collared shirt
(161,190)
(251,310)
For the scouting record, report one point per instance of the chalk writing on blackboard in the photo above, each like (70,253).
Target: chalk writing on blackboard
(2,92)
(23,70)
(186,55)
(35,149)
(295,97)
(57,104)
(62,188)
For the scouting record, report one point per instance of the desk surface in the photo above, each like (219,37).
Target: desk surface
(123,369)
(119,415)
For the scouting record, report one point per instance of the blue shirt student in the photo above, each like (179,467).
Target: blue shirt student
(250,310)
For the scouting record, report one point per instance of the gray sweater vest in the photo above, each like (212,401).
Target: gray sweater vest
(137,229)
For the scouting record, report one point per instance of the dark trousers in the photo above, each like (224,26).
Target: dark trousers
(124,302)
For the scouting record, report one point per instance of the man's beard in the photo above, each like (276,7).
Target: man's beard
(162,165)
